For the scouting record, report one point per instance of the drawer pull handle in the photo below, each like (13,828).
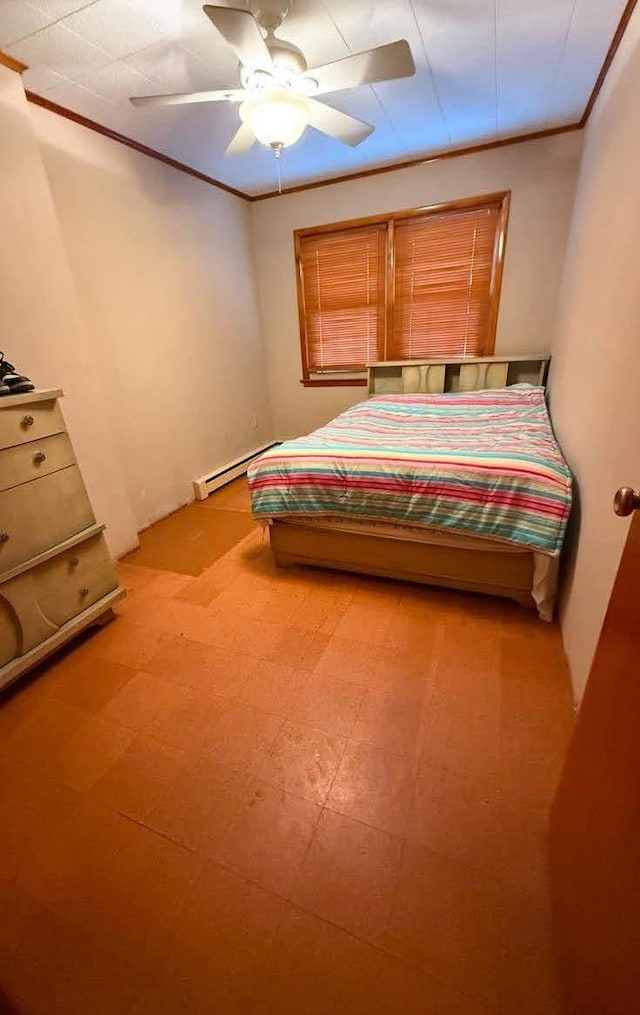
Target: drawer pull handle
(27,421)
(73,562)
(84,592)
(4,537)
(39,458)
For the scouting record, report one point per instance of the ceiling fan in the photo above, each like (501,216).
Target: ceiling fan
(277,98)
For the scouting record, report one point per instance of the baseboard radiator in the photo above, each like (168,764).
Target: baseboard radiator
(207,484)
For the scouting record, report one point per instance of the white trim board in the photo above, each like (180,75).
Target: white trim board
(205,485)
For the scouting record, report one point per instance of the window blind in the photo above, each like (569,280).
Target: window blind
(443,270)
(343,292)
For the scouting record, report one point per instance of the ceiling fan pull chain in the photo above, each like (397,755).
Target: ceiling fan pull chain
(278,154)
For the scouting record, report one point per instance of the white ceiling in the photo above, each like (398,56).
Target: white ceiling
(485,69)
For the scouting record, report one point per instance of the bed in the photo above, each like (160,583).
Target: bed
(448,474)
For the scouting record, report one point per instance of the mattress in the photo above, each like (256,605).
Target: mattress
(481,464)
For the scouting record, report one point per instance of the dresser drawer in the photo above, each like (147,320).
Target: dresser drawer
(67,584)
(36,516)
(33,460)
(22,423)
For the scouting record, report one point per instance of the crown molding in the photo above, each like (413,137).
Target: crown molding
(579,125)
(10,61)
(113,135)
(423,160)
(608,60)
(390,167)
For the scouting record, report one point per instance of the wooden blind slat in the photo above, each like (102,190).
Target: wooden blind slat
(443,273)
(436,294)
(343,286)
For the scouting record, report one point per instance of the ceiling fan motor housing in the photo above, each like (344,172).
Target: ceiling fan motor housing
(285,55)
(289,66)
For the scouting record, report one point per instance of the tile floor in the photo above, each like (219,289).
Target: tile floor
(234,800)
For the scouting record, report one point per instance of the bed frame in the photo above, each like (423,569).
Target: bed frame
(485,567)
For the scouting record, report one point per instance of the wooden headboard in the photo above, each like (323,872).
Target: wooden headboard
(435,376)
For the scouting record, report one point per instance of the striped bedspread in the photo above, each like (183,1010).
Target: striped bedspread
(484,463)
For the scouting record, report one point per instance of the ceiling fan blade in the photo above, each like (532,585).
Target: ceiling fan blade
(242,141)
(385,63)
(337,124)
(241,31)
(181,98)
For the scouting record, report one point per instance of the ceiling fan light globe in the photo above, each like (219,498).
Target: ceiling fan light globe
(278,119)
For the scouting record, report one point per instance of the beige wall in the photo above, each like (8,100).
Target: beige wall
(164,276)
(595,380)
(540,174)
(42,327)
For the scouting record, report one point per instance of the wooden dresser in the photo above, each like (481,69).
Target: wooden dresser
(56,576)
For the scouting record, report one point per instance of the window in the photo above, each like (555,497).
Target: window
(343,295)
(411,285)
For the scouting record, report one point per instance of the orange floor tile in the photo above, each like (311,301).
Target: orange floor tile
(262,791)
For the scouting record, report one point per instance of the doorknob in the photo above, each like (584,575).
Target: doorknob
(626,501)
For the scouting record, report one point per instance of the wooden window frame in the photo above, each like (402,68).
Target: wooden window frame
(501,198)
